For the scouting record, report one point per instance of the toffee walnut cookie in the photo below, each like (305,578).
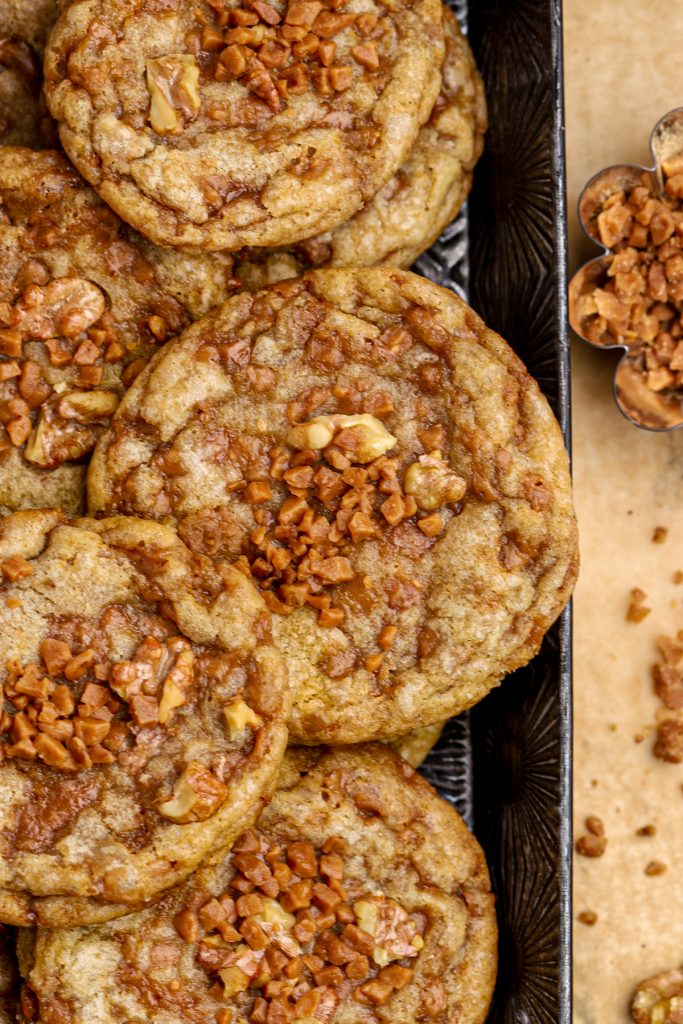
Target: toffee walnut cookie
(226,124)
(84,303)
(23,119)
(360,897)
(383,466)
(9,976)
(30,20)
(144,714)
(414,207)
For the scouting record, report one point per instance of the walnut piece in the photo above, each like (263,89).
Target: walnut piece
(197,794)
(659,1000)
(433,483)
(362,437)
(68,427)
(64,307)
(173,84)
(239,716)
(393,930)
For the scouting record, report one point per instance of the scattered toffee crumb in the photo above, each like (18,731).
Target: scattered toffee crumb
(594,842)
(660,534)
(588,917)
(655,867)
(678,576)
(667,676)
(637,610)
(595,825)
(646,830)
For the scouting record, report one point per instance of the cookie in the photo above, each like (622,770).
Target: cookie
(414,207)
(360,897)
(30,20)
(386,469)
(9,976)
(84,302)
(23,118)
(255,124)
(414,746)
(144,718)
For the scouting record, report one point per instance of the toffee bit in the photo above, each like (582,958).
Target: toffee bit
(655,867)
(287,935)
(678,577)
(332,487)
(637,610)
(588,917)
(637,297)
(660,534)
(647,831)
(591,846)
(72,712)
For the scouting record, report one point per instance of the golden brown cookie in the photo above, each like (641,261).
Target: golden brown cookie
(414,746)
(23,118)
(386,469)
(84,303)
(360,897)
(242,124)
(9,976)
(30,20)
(144,716)
(414,207)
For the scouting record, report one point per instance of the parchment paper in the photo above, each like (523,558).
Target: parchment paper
(622,72)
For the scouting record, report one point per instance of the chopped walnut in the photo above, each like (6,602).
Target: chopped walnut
(64,307)
(239,716)
(659,1000)
(173,84)
(362,438)
(68,427)
(197,795)
(286,937)
(433,483)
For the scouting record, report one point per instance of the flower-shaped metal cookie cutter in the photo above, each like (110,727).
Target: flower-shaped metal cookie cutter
(648,382)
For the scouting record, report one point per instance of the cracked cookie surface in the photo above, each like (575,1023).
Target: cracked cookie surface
(144,714)
(383,466)
(409,213)
(84,303)
(226,125)
(359,897)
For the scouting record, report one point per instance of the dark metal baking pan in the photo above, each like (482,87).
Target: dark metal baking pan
(507,764)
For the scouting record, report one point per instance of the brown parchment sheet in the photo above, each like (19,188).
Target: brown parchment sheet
(623,71)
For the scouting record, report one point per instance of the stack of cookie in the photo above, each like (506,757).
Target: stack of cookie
(326,508)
